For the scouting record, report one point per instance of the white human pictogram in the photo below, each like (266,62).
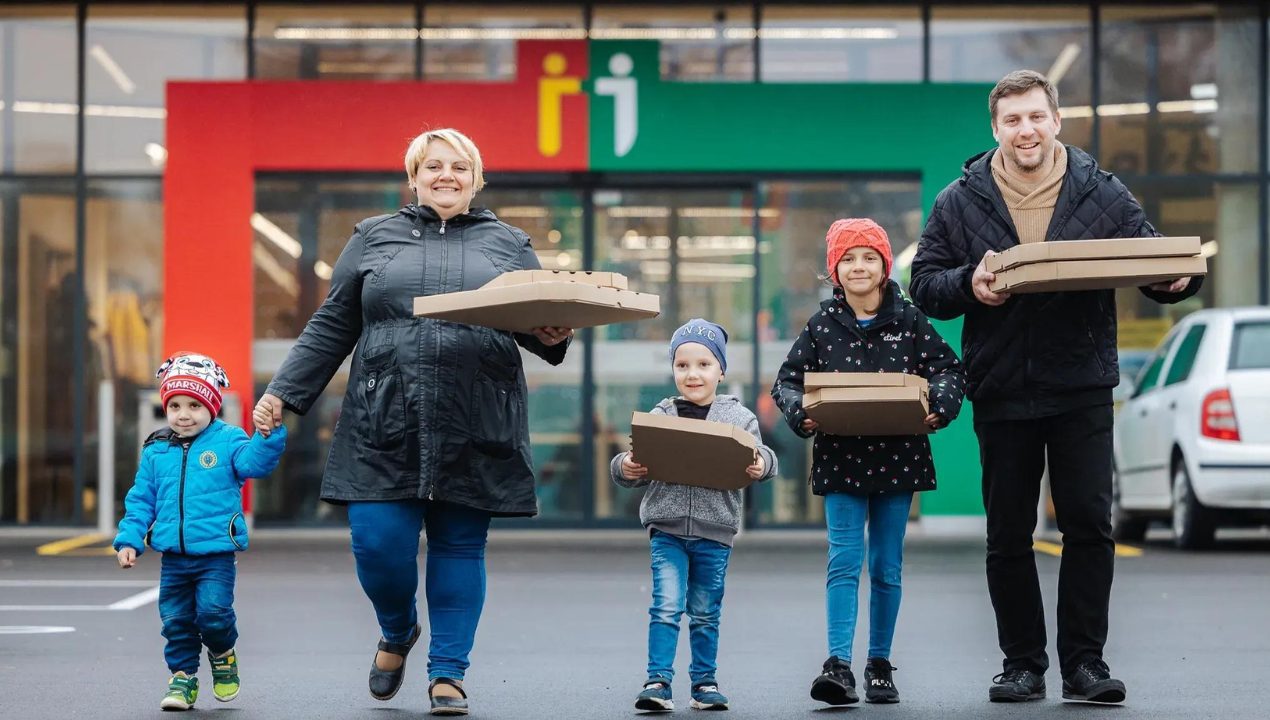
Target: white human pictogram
(625,93)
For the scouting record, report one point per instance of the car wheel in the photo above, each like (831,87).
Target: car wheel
(1192,527)
(1125,527)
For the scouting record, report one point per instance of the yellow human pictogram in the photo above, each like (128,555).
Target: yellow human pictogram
(551,91)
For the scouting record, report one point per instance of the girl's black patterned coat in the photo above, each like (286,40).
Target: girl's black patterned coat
(900,339)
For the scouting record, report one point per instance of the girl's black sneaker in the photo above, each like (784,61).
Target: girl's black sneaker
(879,685)
(835,685)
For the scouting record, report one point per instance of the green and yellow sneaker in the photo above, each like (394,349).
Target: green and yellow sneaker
(224,675)
(182,692)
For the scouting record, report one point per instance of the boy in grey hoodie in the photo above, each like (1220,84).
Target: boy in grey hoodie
(691,528)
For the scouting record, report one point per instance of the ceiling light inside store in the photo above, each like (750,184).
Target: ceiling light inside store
(726,212)
(523,211)
(654,34)
(322,270)
(553,237)
(276,235)
(1204,91)
(469,34)
(46,108)
(1063,62)
(1208,249)
(112,69)
(157,153)
(346,34)
(813,33)
(564,259)
(659,271)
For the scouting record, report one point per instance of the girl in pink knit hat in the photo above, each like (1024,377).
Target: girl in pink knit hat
(868,326)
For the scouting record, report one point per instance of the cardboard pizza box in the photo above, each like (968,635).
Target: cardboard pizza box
(599,279)
(523,307)
(1067,275)
(692,452)
(818,380)
(1116,249)
(876,410)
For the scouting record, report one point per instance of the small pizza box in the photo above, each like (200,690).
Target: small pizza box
(818,380)
(692,452)
(867,403)
(1096,274)
(525,306)
(1117,249)
(599,279)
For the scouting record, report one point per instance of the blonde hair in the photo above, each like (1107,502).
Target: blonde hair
(462,145)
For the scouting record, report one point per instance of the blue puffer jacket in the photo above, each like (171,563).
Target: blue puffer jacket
(188,492)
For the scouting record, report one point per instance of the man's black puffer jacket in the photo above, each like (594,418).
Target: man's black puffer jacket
(1038,354)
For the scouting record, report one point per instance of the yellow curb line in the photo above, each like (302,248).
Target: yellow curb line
(1127,551)
(1056,549)
(1048,548)
(60,546)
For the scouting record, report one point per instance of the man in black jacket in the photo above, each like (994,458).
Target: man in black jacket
(1041,368)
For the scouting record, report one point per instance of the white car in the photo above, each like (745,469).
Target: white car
(1192,442)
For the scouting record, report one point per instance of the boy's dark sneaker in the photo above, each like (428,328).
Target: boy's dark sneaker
(1091,681)
(835,685)
(879,686)
(706,696)
(182,692)
(1017,686)
(655,697)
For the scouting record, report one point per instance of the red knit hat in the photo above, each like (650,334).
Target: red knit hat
(195,375)
(853,233)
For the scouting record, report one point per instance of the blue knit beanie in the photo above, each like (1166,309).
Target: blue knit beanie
(706,333)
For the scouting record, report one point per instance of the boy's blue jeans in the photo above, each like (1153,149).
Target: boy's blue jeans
(386,548)
(887,518)
(688,573)
(196,604)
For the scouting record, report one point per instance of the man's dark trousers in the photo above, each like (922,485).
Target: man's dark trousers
(1013,453)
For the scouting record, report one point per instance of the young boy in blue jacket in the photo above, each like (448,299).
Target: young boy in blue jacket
(187,504)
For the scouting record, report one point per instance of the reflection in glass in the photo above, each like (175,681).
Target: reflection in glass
(132,53)
(840,44)
(37,89)
(37,364)
(336,42)
(1179,89)
(478,42)
(984,44)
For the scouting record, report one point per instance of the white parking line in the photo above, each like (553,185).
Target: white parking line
(132,602)
(33,629)
(76,583)
(142,598)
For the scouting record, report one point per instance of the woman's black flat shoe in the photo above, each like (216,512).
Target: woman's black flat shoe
(448,705)
(384,684)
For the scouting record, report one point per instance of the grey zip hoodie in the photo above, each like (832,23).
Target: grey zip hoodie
(689,511)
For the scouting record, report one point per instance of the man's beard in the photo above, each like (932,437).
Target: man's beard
(1040,160)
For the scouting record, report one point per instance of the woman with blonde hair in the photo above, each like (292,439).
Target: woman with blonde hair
(433,433)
